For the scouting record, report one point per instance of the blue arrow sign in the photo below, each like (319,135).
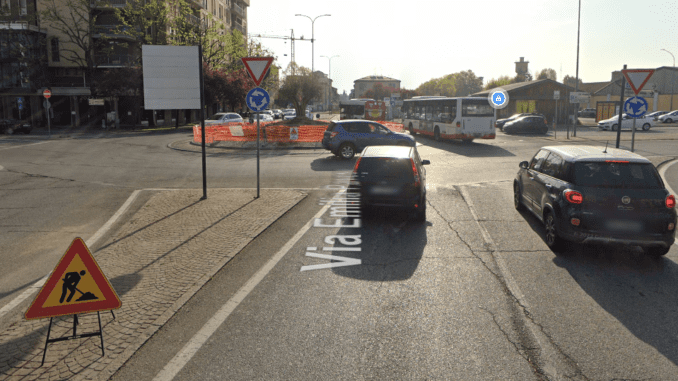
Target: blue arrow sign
(635,107)
(257,99)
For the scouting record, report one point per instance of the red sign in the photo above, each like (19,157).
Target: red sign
(47,93)
(637,78)
(257,67)
(76,286)
(375,110)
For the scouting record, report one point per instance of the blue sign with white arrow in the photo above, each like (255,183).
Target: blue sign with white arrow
(257,99)
(635,107)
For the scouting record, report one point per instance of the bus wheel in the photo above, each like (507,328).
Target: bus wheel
(436,134)
(412,130)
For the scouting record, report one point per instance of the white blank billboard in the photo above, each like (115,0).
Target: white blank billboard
(171,77)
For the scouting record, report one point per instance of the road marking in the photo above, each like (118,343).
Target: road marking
(666,183)
(35,287)
(26,145)
(200,338)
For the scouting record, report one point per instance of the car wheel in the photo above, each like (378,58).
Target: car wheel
(26,131)
(656,251)
(553,241)
(668,120)
(436,134)
(347,151)
(614,127)
(420,214)
(518,198)
(467,141)
(646,127)
(411,128)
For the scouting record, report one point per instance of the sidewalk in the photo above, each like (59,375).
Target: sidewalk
(156,262)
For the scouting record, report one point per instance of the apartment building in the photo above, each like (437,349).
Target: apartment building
(35,55)
(360,86)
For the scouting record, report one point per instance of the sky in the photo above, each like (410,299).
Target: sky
(415,41)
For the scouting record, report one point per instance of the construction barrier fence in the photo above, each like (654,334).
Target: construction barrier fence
(247,132)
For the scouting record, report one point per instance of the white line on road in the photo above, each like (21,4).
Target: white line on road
(90,242)
(200,338)
(26,145)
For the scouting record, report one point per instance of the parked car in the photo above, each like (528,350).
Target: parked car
(587,113)
(265,116)
(527,124)
(590,194)
(289,113)
(391,177)
(655,115)
(224,118)
(277,113)
(345,138)
(644,123)
(10,126)
(501,122)
(669,117)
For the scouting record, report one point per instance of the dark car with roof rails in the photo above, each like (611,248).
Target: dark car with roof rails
(501,122)
(603,195)
(530,124)
(345,138)
(391,177)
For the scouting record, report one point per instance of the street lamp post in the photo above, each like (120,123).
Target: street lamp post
(672,75)
(329,77)
(312,39)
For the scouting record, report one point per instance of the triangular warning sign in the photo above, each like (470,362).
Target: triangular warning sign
(76,286)
(637,78)
(257,67)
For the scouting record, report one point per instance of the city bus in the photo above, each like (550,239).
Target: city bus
(362,108)
(464,119)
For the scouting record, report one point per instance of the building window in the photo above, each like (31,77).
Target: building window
(23,10)
(55,50)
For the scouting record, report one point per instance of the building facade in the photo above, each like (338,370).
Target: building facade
(362,85)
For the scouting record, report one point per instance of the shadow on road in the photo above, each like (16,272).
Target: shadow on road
(477,148)
(332,163)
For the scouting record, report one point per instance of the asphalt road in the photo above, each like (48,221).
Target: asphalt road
(473,293)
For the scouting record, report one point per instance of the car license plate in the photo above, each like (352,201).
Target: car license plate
(624,225)
(383,190)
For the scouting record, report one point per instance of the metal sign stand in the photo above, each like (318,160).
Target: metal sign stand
(258,179)
(633,134)
(75,335)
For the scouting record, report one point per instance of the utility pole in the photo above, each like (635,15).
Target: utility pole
(576,83)
(673,73)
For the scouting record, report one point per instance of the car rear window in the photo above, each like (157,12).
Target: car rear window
(617,175)
(381,168)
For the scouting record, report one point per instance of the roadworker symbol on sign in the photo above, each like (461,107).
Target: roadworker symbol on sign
(76,286)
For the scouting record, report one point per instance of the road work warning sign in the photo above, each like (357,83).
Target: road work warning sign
(76,286)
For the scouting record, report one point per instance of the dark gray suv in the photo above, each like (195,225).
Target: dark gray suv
(391,177)
(345,138)
(592,194)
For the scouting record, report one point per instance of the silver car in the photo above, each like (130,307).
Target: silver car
(223,118)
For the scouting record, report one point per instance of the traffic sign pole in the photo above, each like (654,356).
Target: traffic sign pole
(633,134)
(621,107)
(257,155)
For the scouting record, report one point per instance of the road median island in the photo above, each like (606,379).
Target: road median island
(156,262)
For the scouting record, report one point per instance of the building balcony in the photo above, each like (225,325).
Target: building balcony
(238,9)
(108,3)
(113,31)
(115,60)
(195,20)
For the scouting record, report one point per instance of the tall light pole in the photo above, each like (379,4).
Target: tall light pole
(312,39)
(672,75)
(329,76)
(576,81)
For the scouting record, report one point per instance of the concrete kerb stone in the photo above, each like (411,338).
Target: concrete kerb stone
(175,242)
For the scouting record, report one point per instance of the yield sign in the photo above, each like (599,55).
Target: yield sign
(637,78)
(76,286)
(257,67)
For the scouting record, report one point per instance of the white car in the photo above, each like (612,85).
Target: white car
(264,116)
(223,118)
(644,123)
(669,118)
(289,113)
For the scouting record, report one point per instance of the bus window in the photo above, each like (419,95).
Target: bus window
(437,113)
(429,113)
(474,107)
(422,113)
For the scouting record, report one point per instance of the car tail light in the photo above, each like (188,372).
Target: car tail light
(458,124)
(573,197)
(333,134)
(670,201)
(357,163)
(415,172)
(575,221)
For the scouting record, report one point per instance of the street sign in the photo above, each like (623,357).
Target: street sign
(76,286)
(635,107)
(257,67)
(95,102)
(46,104)
(294,133)
(556,94)
(20,103)
(47,93)
(579,97)
(637,78)
(257,99)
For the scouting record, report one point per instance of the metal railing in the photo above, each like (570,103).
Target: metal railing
(115,59)
(113,29)
(238,9)
(108,3)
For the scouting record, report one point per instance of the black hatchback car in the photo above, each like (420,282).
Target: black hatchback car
(531,124)
(391,177)
(10,126)
(592,194)
(345,138)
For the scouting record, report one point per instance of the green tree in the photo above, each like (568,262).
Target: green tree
(458,84)
(467,83)
(571,81)
(547,74)
(379,92)
(145,21)
(299,87)
(407,94)
(498,82)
